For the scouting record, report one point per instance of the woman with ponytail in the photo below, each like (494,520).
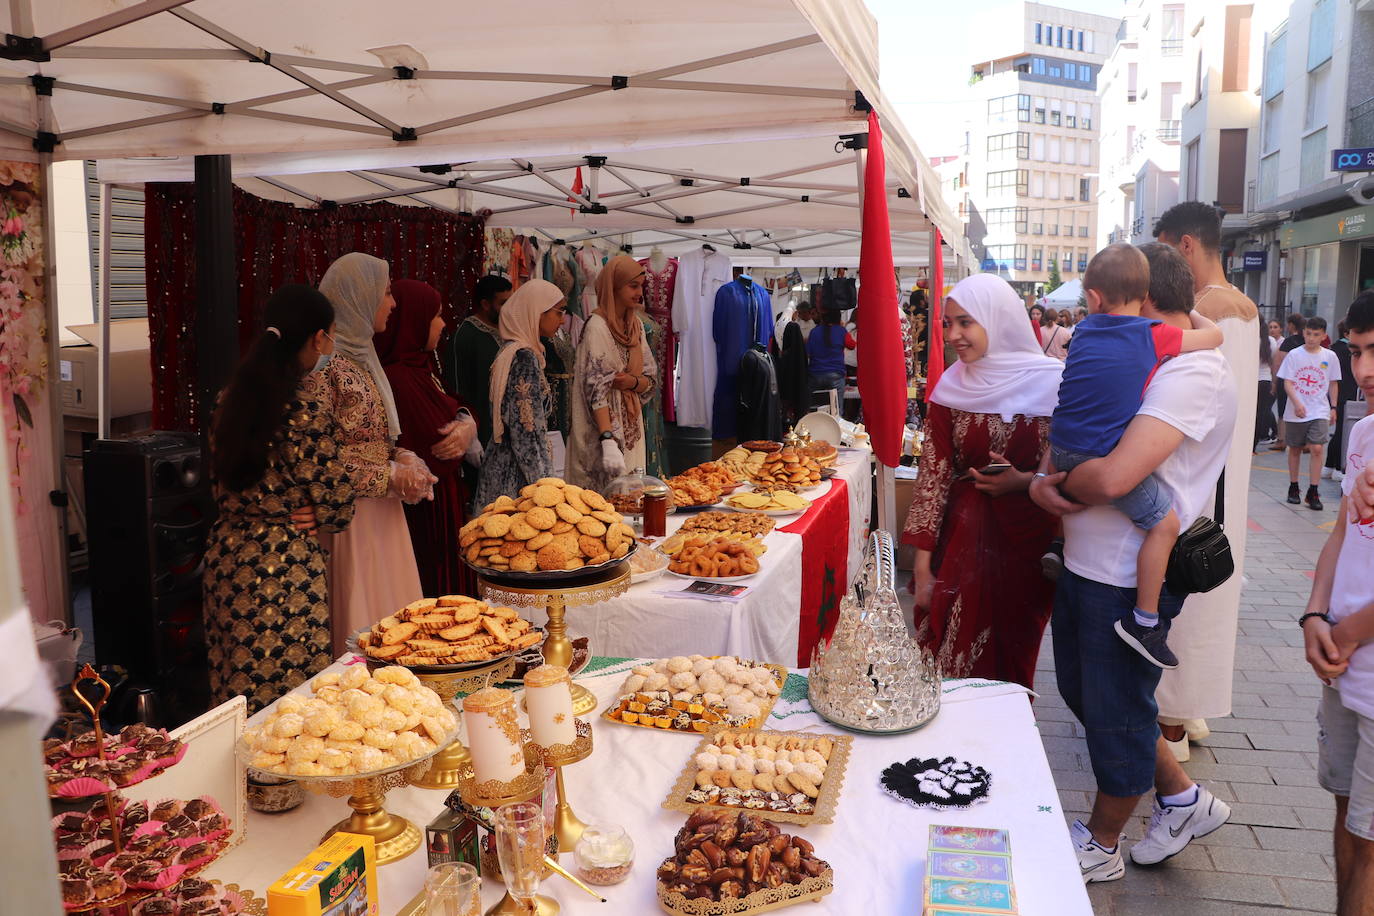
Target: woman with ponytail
(278,478)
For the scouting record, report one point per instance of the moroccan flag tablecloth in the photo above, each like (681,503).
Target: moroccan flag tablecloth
(824,531)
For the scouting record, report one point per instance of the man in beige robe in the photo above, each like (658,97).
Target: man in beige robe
(1204,634)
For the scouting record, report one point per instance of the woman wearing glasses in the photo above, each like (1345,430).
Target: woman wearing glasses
(518,453)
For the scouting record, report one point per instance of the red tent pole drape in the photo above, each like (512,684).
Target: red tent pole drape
(935,336)
(882,362)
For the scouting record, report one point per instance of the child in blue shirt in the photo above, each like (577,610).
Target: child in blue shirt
(1112,357)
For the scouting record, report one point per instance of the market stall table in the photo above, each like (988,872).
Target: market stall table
(768,622)
(876,844)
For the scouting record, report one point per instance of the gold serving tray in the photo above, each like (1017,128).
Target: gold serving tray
(761,901)
(779,675)
(825,802)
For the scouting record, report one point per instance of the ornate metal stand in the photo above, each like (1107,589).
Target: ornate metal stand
(444,773)
(395,836)
(555,598)
(567,825)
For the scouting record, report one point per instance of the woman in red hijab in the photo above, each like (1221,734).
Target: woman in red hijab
(435,426)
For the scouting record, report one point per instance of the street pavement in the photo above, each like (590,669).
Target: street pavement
(1275,854)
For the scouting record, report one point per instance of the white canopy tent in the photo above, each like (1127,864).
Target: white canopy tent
(1065,295)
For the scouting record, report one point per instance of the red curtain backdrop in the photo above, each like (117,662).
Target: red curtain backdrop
(935,364)
(278,243)
(882,360)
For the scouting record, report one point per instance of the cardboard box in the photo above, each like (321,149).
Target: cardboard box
(339,878)
(131,370)
(451,837)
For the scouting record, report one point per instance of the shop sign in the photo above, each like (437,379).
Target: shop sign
(1355,223)
(1353,160)
(1255,260)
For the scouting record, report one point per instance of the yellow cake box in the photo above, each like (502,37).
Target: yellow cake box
(339,879)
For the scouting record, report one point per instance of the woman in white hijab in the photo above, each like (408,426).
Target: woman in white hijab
(981,600)
(519,451)
(372,564)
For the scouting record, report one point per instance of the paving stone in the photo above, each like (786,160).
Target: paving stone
(1310,895)
(1286,777)
(1241,836)
(1278,863)
(1296,796)
(1259,758)
(1269,742)
(1315,841)
(1206,772)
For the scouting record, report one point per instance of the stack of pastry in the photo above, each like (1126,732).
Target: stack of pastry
(451,630)
(552,526)
(823,452)
(714,558)
(750,524)
(786,469)
(693,491)
(787,764)
(674,545)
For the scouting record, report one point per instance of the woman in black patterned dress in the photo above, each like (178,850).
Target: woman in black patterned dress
(278,479)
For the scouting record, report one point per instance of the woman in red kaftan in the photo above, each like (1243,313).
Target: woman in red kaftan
(982,601)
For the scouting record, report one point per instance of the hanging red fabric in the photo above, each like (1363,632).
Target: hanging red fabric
(935,362)
(577,187)
(882,362)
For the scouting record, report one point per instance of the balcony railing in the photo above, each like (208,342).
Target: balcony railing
(1137,226)
(1360,131)
(1169,130)
(1171,47)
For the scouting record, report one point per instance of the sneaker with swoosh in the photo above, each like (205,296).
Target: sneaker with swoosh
(1096,862)
(1172,828)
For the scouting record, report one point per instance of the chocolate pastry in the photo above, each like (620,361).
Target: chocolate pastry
(76,891)
(53,750)
(93,767)
(158,906)
(57,778)
(146,843)
(193,853)
(179,827)
(122,770)
(166,810)
(197,808)
(188,888)
(83,745)
(77,868)
(106,885)
(123,862)
(71,822)
(132,734)
(212,823)
(136,813)
(144,873)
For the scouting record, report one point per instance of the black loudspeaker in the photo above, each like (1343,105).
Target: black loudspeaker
(149,510)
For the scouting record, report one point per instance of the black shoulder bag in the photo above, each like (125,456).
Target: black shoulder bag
(1201,559)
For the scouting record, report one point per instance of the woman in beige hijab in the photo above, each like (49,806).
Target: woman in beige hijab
(518,454)
(372,569)
(612,380)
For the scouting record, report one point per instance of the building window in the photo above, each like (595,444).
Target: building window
(1171,32)
(1269,130)
(1070,71)
(1067,264)
(1235,61)
(1314,115)
(1085,186)
(1070,121)
(1089,47)
(1023,107)
(1085,153)
(1037,258)
(1054,72)
(1274,61)
(1037,33)
(1311,280)
(1008,220)
(1054,119)
(1080,41)
(1269,177)
(1040,113)
(1070,152)
(1321,33)
(1011,181)
(1037,187)
(1038,66)
(1059,36)
(1005,108)
(1082,234)
(1005,146)
(1312,166)
(1190,170)
(1082,259)
(1038,148)
(1055,154)
(1231,169)
(1038,227)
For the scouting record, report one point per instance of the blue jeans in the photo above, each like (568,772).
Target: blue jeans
(1145,505)
(825,381)
(1106,683)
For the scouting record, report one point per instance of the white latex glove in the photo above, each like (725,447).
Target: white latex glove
(412,482)
(473,455)
(612,459)
(459,434)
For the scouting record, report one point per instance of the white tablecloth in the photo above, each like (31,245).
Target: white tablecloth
(876,845)
(763,625)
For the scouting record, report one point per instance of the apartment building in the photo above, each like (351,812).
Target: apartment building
(1032,145)
(1140,96)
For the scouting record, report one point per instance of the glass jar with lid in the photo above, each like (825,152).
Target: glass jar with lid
(644,501)
(605,854)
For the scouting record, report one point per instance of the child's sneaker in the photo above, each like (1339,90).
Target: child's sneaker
(1314,501)
(1052,560)
(1294,495)
(1148,641)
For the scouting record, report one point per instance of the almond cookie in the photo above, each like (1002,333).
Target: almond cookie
(602,557)
(461,631)
(503,504)
(742,779)
(550,482)
(573,496)
(552,556)
(561,527)
(590,546)
(399,633)
(568,542)
(592,526)
(467,613)
(524,562)
(545,495)
(541,518)
(525,504)
(511,548)
(539,542)
(455,601)
(528,489)
(595,501)
(568,514)
(520,529)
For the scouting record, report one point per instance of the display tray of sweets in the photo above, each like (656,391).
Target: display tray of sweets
(451,633)
(748,524)
(698,694)
(783,776)
(351,725)
(553,531)
(736,863)
(743,460)
(778,502)
(75,768)
(161,843)
(193,897)
(788,466)
(715,559)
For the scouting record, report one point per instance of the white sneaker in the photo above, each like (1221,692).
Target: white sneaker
(1097,864)
(1337,476)
(1180,748)
(1197,729)
(1326,473)
(1173,828)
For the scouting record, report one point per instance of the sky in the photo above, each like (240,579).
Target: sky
(925,49)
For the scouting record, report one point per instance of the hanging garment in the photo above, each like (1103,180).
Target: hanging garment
(558,270)
(658,305)
(700,273)
(758,410)
(589,264)
(655,461)
(741,318)
(794,384)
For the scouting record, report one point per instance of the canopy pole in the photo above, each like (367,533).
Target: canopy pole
(217,332)
(103,356)
(57,498)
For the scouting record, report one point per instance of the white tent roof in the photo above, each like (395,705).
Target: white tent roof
(1067,294)
(726,89)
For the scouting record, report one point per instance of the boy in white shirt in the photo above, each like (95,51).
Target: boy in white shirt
(1338,628)
(1309,375)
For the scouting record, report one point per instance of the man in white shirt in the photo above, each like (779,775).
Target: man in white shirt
(1310,375)
(1182,434)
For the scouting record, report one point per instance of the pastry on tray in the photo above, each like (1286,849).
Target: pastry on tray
(75,768)
(774,500)
(694,693)
(714,558)
(552,527)
(773,773)
(451,630)
(739,861)
(751,524)
(788,466)
(355,722)
(673,545)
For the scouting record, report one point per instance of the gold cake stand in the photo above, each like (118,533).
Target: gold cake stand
(555,597)
(444,773)
(567,824)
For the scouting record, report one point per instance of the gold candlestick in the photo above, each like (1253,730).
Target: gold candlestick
(555,598)
(567,824)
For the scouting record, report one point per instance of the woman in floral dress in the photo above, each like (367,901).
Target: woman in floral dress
(275,455)
(982,601)
(612,381)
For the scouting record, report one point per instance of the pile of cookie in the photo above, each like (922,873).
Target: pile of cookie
(450,630)
(774,771)
(724,856)
(743,460)
(748,524)
(354,723)
(788,469)
(714,558)
(777,500)
(552,526)
(136,753)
